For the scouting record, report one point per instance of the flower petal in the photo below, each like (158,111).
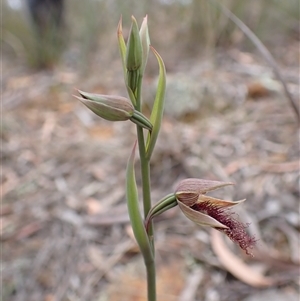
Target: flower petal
(200,218)
(188,190)
(217,202)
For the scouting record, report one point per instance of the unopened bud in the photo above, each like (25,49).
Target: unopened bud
(114,108)
(109,107)
(134,51)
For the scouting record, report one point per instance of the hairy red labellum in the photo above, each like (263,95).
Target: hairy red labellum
(236,229)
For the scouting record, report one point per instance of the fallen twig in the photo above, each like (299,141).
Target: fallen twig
(264,51)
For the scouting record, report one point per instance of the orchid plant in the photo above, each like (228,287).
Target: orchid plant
(190,194)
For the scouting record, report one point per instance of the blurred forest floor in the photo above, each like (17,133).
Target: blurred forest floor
(64,225)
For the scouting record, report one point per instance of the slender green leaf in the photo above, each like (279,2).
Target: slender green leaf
(158,106)
(134,211)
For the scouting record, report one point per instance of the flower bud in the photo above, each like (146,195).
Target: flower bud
(109,107)
(114,108)
(208,211)
(134,51)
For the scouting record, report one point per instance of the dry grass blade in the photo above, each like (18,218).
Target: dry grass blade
(265,53)
(235,266)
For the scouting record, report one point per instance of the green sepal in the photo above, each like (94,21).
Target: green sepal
(158,106)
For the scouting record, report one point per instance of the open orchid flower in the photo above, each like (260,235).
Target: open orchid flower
(208,211)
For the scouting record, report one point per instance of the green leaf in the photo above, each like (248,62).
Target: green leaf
(158,106)
(134,211)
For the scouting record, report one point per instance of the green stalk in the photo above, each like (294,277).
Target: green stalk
(145,173)
(139,228)
(145,162)
(151,281)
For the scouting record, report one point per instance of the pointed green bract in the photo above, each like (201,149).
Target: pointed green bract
(158,106)
(134,211)
(145,40)
(131,95)
(122,46)
(163,205)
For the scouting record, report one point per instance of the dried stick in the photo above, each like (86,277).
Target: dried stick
(264,51)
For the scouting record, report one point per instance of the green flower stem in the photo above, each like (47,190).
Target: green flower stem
(151,281)
(145,172)
(139,228)
(145,162)
(138,94)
